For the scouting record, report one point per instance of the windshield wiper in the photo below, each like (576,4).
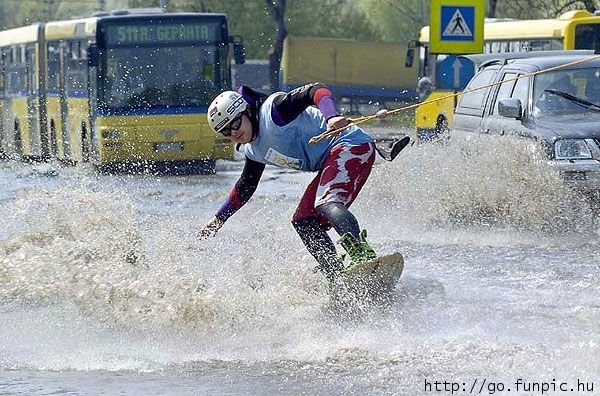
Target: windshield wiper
(575,99)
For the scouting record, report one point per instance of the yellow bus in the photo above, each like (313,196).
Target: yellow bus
(572,30)
(123,90)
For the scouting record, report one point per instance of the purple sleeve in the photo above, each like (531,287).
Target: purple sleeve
(327,106)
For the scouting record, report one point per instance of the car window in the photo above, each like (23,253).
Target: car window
(592,87)
(505,89)
(521,91)
(475,100)
(557,92)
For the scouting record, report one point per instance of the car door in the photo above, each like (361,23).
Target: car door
(470,109)
(514,88)
(492,120)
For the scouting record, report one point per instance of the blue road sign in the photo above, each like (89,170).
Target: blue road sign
(454,73)
(457,23)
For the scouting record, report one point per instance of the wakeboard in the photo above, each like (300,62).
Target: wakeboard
(373,277)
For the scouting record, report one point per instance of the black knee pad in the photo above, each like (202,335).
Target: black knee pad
(340,218)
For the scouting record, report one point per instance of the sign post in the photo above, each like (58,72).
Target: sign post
(456,26)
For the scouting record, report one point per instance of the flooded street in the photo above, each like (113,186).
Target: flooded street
(104,288)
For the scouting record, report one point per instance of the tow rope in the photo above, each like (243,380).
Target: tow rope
(387,113)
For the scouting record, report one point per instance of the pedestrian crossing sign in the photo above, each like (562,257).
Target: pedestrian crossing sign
(456,26)
(458,22)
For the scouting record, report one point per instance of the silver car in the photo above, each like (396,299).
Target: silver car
(556,102)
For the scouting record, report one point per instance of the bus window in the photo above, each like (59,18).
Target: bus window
(495,47)
(16,73)
(30,59)
(515,46)
(76,78)
(53,66)
(587,37)
(16,79)
(164,76)
(546,45)
(2,68)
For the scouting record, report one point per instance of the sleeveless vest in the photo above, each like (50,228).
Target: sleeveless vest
(287,146)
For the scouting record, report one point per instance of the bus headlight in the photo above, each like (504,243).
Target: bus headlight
(111,134)
(572,149)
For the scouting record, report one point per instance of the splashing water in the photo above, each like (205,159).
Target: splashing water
(496,181)
(84,247)
(118,259)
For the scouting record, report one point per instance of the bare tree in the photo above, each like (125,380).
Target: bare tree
(277,11)
(589,5)
(491,11)
(534,9)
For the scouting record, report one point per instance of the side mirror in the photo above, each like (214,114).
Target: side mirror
(410,54)
(93,55)
(510,108)
(239,52)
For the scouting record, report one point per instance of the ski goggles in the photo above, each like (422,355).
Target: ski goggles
(234,125)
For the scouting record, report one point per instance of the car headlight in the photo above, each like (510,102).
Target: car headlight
(572,149)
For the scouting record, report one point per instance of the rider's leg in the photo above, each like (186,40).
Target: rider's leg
(319,245)
(344,173)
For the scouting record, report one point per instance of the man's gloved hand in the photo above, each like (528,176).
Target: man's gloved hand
(382,113)
(210,230)
(337,122)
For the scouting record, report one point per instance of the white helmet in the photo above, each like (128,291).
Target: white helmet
(225,108)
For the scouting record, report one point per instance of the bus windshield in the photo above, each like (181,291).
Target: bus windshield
(587,36)
(142,77)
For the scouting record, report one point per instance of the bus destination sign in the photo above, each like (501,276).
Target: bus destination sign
(162,33)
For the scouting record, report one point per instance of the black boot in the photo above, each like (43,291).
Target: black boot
(320,246)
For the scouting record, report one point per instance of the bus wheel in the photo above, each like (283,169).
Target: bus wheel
(18,143)
(53,142)
(209,167)
(441,127)
(198,167)
(442,130)
(85,145)
(185,167)
(3,149)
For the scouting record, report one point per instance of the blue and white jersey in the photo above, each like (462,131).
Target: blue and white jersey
(287,146)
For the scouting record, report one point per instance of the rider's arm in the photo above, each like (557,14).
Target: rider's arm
(243,189)
(286,107)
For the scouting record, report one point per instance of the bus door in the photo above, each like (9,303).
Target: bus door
(3,129)
(32,101)
(63,100)
(53,115)
(92,87)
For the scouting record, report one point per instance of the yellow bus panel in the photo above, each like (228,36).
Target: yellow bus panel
(165,137)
